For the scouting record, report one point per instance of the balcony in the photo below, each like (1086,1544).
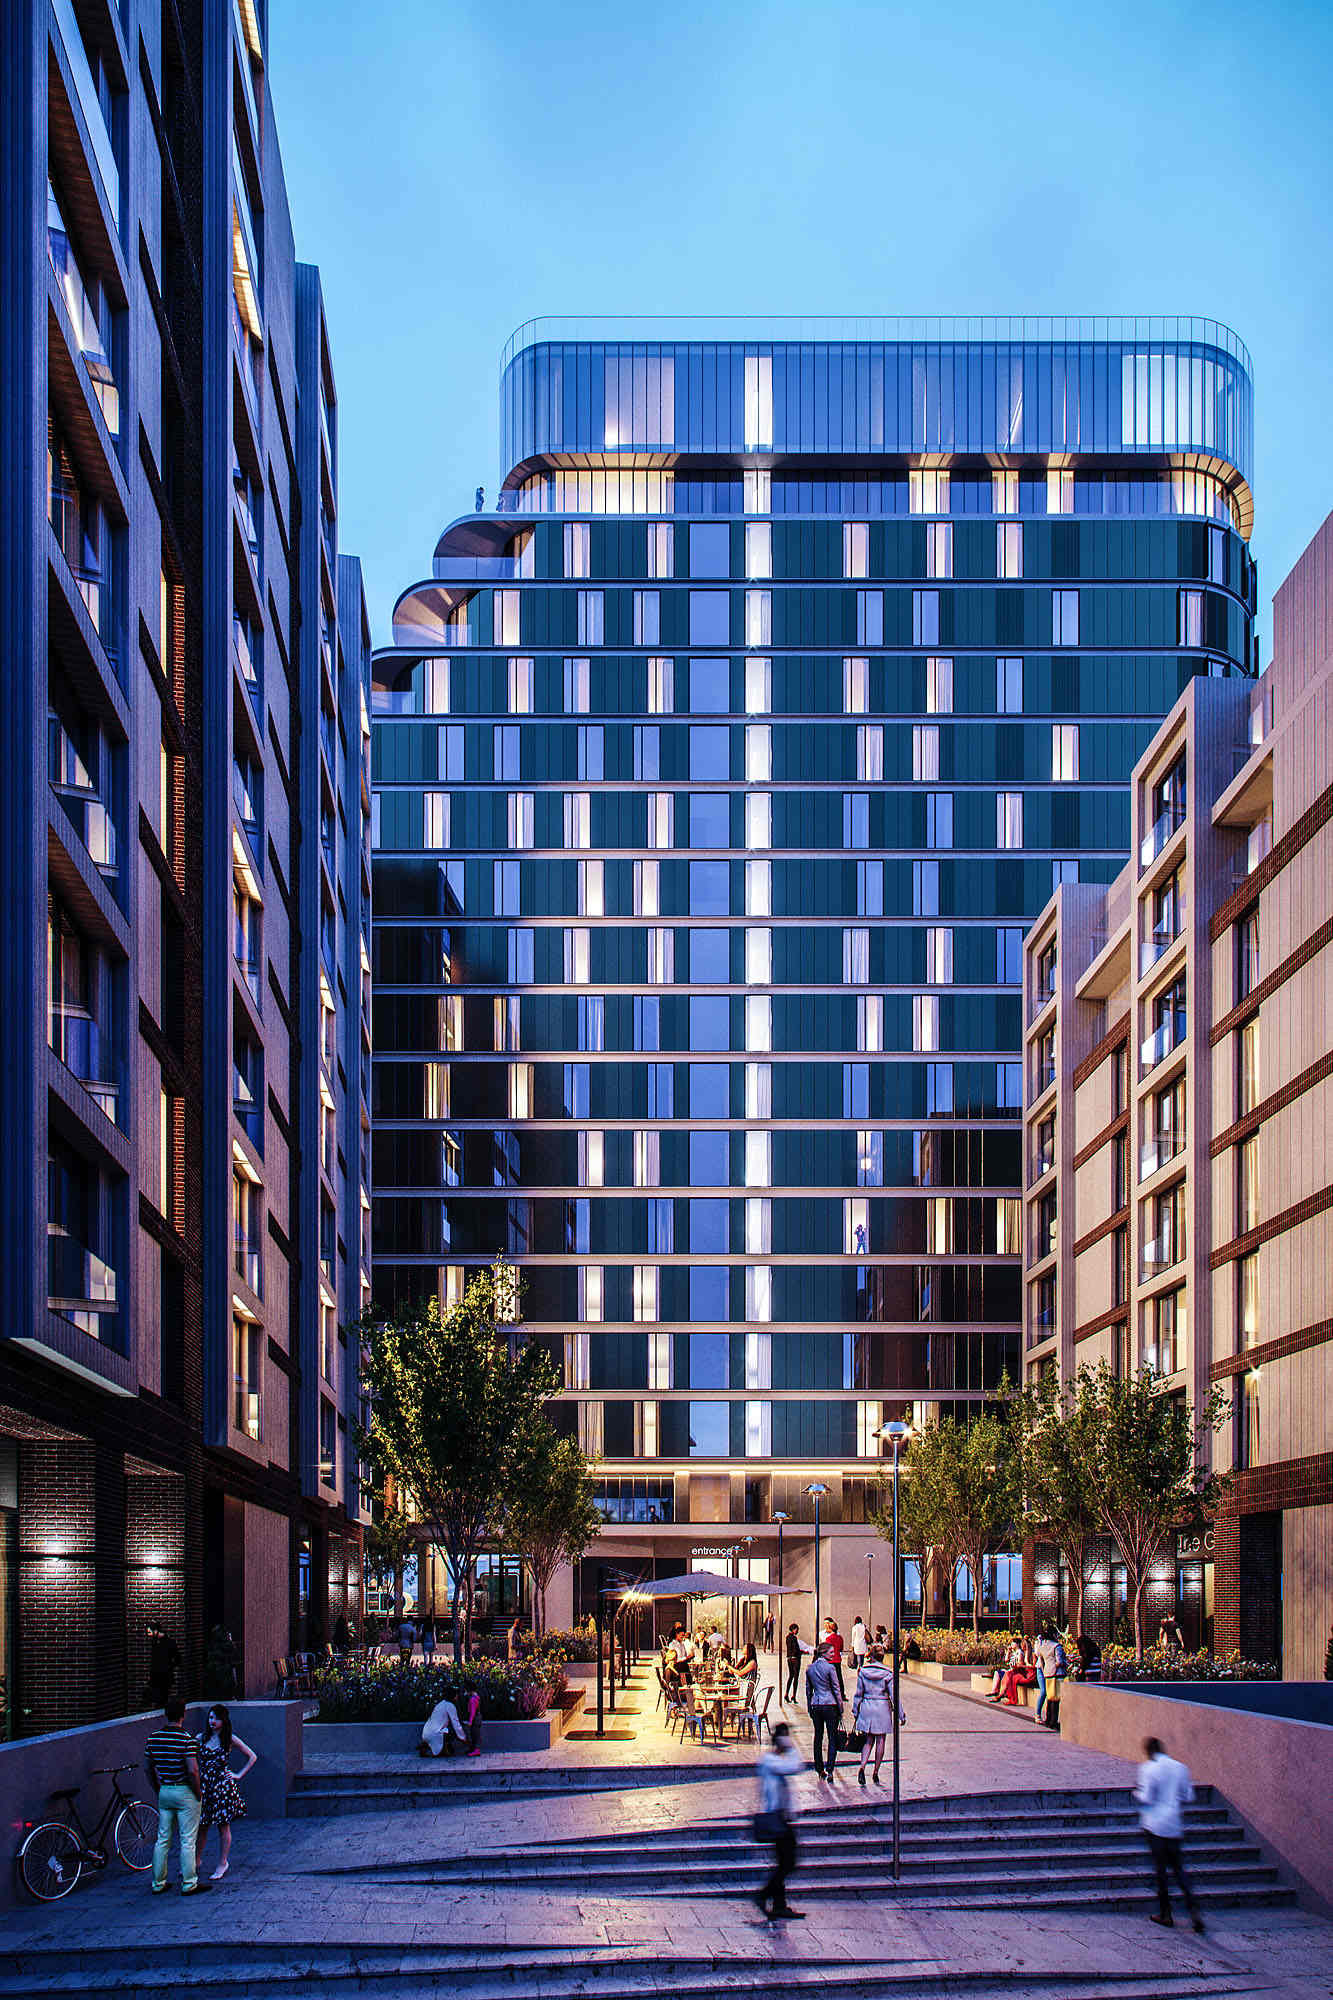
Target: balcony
(79,1284)
(249,1265)
(104,154)
(247,657)
(1159,833)
(87,1054)
(1159,1254)
(78,300)
(1168,1035)
(1158,944)
(1163,1147)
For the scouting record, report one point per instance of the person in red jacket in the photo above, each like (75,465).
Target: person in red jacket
(832,1642)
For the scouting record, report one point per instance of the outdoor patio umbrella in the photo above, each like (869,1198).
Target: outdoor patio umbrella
(704,1583)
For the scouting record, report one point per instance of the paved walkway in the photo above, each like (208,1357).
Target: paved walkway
(333,1881)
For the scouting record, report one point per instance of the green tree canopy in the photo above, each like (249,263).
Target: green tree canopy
(959,1499)
(1052,1443)
(456,1406)
(552,1517)
(1147,1457)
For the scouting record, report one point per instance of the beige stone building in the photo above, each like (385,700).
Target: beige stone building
(1178,1096)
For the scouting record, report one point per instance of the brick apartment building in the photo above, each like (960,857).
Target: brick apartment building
(1178,1186)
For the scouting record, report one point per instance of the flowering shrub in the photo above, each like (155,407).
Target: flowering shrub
(1119,1664)
(389,1692)
(960,1649)
(578,1644)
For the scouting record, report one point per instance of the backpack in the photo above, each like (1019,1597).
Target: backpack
(1061,1660)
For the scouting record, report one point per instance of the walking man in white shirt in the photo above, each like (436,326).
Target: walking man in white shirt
(1163,1791)
(860,1641)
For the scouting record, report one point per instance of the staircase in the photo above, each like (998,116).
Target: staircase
(228,1971)
(319,1794)
(1051,1850)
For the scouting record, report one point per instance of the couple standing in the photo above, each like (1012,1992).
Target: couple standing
(872,1708)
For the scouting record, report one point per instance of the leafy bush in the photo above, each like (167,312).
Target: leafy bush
(960,1649)
(1120,1664)
(578,1644)
(389,1692)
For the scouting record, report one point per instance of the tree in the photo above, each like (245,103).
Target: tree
(389,1541)
(1147,1457)
(455,1402)
(960,1498)
(1056,1494)
(920,1517)
(552,1517)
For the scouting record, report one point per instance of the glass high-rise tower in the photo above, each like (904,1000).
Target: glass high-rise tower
(718,772)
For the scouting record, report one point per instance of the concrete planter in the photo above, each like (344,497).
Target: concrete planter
(1276,1771)
(937,1670)
(341,1739)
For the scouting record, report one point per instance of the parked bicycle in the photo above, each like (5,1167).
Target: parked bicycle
(55,1853)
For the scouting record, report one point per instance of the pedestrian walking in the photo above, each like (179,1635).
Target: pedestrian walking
(427,1636)
(776,1766)
(860,1641)
(872,1708)
(407,1639)
(770,1631)
(514,1640)
(824,1699)
(171,1759)
(795,1646)
(221,1803)
(1163,1791)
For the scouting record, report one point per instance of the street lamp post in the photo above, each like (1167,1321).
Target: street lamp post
(743,1613)
(870,1591)
(816,1489)
(781,1520)
(896,1434)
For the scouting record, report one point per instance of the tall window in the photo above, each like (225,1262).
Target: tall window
(1009,819)
(591,618)
(1247,1301)
(759,402)
(925,751)
(855,549)
(925,617)
(1190,618)
(1009,686)
(758,549)
(647,617)
(1064,752)
(1247,1066)
(939,549)
(939,686)
(870,617)
(928,492)
(659,549)
(1247,953)
(1064,618)
(578,546)
(1247,1184)
(855,687)
(1009,551)
(1004,492)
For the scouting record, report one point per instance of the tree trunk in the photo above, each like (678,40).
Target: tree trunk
(1138,1616)
(978,1579)
(950,1581)
(469,1588)
(456,1572)
(1076,1599)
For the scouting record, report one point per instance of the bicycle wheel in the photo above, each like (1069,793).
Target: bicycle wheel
(136,1834)
(51,1861)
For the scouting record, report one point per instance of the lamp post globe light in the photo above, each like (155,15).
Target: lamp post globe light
(816,1489)
(896,1434)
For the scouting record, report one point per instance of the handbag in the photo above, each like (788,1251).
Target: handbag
(769,1825)
(850,1739)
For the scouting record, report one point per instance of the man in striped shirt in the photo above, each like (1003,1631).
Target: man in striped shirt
(171,1758)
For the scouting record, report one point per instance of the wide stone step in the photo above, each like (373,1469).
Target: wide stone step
(236,1972)
(942,1834)
(814,1861)
(1006,1881)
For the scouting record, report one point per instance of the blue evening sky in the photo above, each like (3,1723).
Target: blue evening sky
(455,169)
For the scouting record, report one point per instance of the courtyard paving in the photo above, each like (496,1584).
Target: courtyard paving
(334,1881)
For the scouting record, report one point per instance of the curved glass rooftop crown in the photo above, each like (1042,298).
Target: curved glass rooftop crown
(664,389)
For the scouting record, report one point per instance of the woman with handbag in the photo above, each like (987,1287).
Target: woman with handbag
(872,1709)
(780,1762)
